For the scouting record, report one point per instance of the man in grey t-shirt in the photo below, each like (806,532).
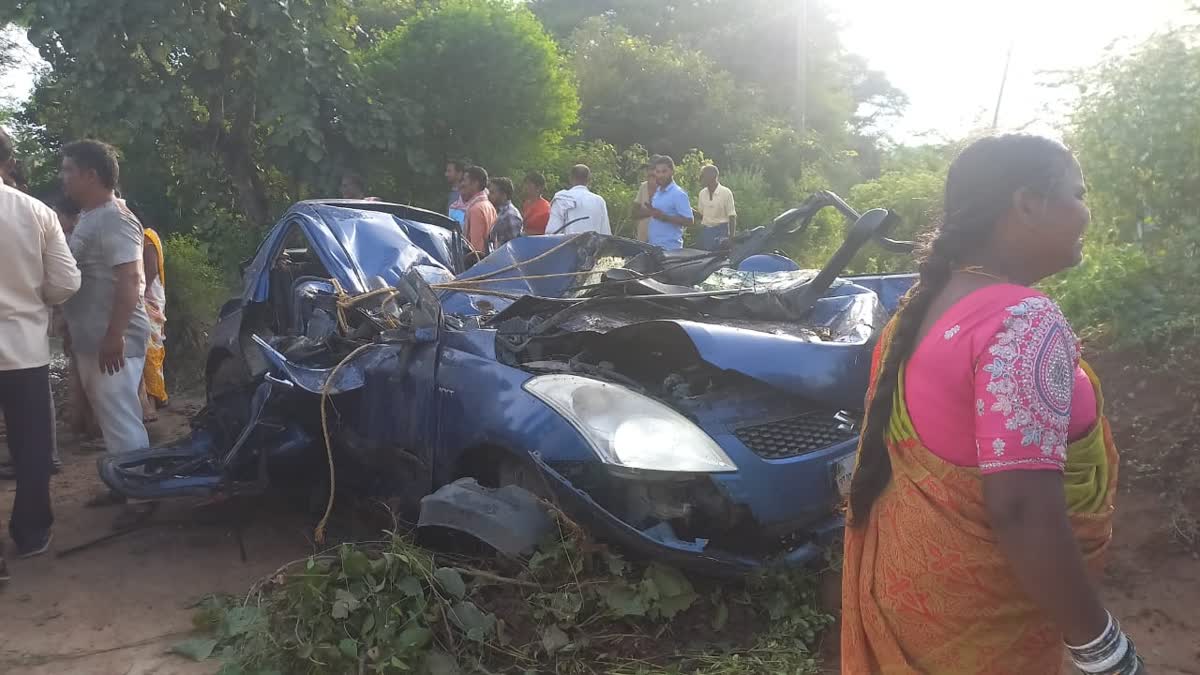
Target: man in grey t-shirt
(106,319)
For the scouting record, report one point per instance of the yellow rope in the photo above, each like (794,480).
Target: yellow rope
(346,301)
(464,282)
(526,262)
(341,315)
(482,291)
(319,533)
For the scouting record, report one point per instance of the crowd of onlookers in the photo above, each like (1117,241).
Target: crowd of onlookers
(485,206)
(80,266)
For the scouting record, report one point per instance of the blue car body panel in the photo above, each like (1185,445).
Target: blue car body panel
(443,398)
(355,245)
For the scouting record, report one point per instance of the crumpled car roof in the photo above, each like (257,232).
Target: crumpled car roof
(358,244)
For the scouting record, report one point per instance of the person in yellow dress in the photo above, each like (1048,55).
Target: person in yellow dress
(154,387)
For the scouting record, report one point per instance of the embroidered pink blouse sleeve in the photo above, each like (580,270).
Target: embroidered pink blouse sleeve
(1024,380)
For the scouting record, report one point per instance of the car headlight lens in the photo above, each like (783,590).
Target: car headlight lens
(629,430)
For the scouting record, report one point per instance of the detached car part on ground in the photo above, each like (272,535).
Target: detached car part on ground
(688,410)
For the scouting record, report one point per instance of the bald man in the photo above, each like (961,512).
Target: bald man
(578,209)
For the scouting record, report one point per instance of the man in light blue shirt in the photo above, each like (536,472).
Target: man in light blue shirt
(669,209)
(455,207)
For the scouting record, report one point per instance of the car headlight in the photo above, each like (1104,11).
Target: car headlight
(629,430)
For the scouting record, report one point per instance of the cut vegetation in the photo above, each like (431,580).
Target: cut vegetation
(574,607)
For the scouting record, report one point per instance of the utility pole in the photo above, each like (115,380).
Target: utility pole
(802,65)
(1003,81)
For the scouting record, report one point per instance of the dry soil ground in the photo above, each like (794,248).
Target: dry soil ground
(115,608)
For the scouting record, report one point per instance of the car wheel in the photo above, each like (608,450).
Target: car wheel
(522,474)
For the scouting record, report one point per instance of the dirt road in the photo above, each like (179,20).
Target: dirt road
(116,608)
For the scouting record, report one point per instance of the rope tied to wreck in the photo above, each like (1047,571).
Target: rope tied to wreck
(345,302)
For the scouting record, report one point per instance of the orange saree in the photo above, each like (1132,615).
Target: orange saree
(926,589)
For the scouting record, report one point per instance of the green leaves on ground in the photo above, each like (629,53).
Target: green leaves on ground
(576,608)
(661,594)
(196,649)
(451,582)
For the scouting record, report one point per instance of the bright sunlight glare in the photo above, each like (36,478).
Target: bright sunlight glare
(948,56)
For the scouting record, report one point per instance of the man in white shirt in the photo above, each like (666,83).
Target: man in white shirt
(578,209)
(39,272)
(717,211)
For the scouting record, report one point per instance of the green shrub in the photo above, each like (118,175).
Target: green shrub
(1106,291)
(752,194)
(196,288)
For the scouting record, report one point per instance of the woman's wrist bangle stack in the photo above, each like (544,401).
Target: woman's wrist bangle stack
(1112,653)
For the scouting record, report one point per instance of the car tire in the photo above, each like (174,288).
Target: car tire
(523,474)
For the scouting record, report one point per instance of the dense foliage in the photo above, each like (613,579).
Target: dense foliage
(1137,131)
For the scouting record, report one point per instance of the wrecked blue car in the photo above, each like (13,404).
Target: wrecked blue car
(695,407)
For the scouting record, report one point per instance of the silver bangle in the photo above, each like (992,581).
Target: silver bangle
(1111,658)
(1112,653)
(1099,638)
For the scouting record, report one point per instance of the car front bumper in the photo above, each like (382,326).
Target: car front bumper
(659,543)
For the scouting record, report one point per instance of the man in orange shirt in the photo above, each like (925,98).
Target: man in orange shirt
(481,214)
(535,211)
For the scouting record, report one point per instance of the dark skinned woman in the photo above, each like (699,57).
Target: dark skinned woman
(983,496)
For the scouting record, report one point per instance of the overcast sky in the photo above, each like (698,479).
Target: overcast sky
(948,55)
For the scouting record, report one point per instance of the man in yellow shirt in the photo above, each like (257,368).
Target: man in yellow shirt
(719,216)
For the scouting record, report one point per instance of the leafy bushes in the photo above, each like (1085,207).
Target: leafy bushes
(196,288)
(574,608)
(752,194)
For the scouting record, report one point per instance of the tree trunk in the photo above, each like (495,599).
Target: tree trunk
(243,173)
(237,154)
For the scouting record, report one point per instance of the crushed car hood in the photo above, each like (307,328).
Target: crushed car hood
(833,373)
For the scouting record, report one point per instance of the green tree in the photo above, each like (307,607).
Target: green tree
(758,42)
(481,79)
(915,195)
(1136,129)
(9,50)
(670,98)
(377,18)
(234,89)
(10,58)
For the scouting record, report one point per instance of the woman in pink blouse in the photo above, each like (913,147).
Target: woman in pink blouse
(984,489)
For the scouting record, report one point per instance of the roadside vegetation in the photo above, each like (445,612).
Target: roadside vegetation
(574,607)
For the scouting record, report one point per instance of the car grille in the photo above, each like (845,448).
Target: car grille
(797,435)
